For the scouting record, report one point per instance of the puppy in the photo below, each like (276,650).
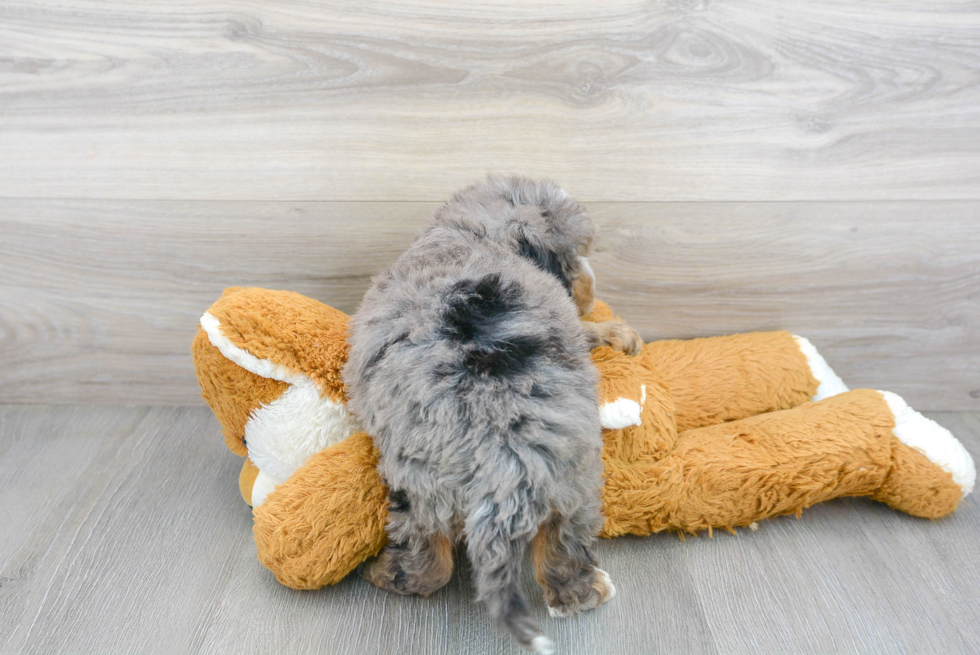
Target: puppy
(470,367)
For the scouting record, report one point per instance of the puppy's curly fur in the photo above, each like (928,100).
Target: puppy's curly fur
(470,367)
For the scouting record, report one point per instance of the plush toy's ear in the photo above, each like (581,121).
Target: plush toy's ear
(281,335)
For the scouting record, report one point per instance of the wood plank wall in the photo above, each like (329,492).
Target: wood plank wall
(750,165)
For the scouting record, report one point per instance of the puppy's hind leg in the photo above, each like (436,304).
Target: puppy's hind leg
(565,567)
(497,534)
(413,562)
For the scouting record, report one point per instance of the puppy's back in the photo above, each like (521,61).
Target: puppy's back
(450,359)
(468,366)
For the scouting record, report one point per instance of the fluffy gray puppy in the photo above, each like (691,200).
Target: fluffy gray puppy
(470,367)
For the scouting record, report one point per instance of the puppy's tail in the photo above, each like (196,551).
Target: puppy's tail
(496,538)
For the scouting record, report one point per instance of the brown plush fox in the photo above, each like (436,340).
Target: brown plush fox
(702,434)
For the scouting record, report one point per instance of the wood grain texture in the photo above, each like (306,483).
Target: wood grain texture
(123,531)
(626,100)
(99,300)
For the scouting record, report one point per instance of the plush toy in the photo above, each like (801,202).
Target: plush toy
(703,434)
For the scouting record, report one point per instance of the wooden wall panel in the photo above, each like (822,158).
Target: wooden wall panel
(620,101)
(99,299)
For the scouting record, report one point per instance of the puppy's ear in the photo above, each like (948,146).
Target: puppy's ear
(545,259)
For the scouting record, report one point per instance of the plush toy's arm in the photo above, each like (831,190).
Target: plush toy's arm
(718,379)
(327,518)
(859,443)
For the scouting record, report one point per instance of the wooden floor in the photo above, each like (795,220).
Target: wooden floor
(123,532)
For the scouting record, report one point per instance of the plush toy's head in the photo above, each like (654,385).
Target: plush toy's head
(269,364)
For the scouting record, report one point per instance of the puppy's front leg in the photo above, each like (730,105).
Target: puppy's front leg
(615,334)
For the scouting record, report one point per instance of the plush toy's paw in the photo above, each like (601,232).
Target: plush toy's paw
(932,440)
(931,470)
(830,382)
(601,591)
(615,334)
(327,518)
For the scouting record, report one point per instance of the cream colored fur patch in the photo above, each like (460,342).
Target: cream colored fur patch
(622,412)
(262,487)
(281,435)
(932,440)
(830,382)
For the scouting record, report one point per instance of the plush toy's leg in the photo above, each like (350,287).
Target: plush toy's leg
(859,443)
(719,379)
(326,519)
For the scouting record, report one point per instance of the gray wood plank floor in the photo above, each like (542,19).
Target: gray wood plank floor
(122,531)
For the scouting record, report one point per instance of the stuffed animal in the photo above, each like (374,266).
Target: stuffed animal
(709,433)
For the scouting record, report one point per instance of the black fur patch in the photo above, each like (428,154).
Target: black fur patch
(516,606)
(497,358)
(398,501)
(477,306)
(546,260)
(476,312)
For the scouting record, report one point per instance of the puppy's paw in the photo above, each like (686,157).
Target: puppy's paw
(385,572)
(604,585)
(403,570)
(600,591)
(629,341)
(617,335)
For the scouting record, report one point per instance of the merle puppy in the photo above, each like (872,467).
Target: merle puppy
(470,367)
